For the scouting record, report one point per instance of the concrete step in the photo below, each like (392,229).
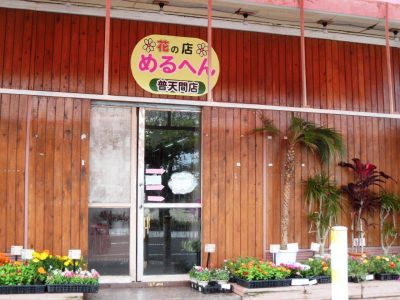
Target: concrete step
(155,293)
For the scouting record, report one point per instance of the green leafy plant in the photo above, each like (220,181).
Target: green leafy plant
(323,198)
(318,267)
(191,245)
(358,268)
(220,274)
(18,273)
(324,141)
(254,269)
(390,207)
(70,277)
(385,264)
(199,273)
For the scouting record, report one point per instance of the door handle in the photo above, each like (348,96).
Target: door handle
(147,220)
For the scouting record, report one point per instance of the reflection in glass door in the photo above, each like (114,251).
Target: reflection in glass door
(169,192)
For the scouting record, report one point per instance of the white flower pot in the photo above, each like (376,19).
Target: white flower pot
(285,257)
(202,283)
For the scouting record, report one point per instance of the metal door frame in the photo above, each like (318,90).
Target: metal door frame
(141,205)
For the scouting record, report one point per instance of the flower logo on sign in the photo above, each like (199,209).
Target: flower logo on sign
(201,49)
(182,183)
(149,45)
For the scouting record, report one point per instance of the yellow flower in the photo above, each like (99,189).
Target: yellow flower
(64,257)
(44,255)
(35,260)
(67,263)
(365,261)
(378,257)
(325,268)
(41,270)
(385,258)
(36,254)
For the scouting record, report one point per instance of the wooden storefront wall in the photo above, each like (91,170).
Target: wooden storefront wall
(232,176)
(59,52)
(58,180)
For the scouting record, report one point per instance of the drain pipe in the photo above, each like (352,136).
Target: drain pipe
(388,62)
(209,54)
(106,48)
(26,175)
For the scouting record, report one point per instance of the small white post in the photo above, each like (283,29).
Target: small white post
(339,259)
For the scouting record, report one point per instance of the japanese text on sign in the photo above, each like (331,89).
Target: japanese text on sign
(173,65)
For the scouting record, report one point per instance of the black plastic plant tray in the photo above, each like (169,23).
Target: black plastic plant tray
(255,284)
(22,289)
(72,288)
(323,279)
(386,276)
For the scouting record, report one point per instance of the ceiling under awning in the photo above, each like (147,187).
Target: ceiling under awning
(359,17)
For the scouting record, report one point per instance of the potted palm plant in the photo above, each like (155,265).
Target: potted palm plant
(390,207)
(321,140)
(323,197)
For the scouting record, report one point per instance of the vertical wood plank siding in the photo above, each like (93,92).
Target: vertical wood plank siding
(57,180)
(232,176)
(60,52)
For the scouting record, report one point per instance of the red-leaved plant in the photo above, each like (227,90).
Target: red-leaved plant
(363,200)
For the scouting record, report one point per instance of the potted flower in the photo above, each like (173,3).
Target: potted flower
(385,267)
(357,269)
(323,198)
(202,276)
(260,274)
(318,268)
(21,278)
(81,281)
(220,275)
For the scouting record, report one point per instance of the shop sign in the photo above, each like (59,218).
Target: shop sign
(173,65)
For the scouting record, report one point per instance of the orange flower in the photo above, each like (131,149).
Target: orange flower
(41,270)
(392,265)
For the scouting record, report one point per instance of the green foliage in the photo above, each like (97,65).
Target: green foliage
(249,268)
(191,245)
(219,274)
(70,277)
(20,274)
(199,273)
(317,267)
(390,202)
(387,264)
(358,268)
(325,141)
(390,207)
(323,198)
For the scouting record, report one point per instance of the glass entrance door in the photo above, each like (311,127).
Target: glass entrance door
(169,211)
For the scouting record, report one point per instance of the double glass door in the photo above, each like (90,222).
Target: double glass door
(145,201)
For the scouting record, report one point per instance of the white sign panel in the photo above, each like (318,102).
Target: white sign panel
(74,253)
(27,253)
(16,250)
(153,179)
(209,248)
(274,248)
(182,183)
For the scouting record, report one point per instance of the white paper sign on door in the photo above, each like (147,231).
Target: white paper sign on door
(153,179)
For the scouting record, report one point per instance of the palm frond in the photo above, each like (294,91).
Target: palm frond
(325,141)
